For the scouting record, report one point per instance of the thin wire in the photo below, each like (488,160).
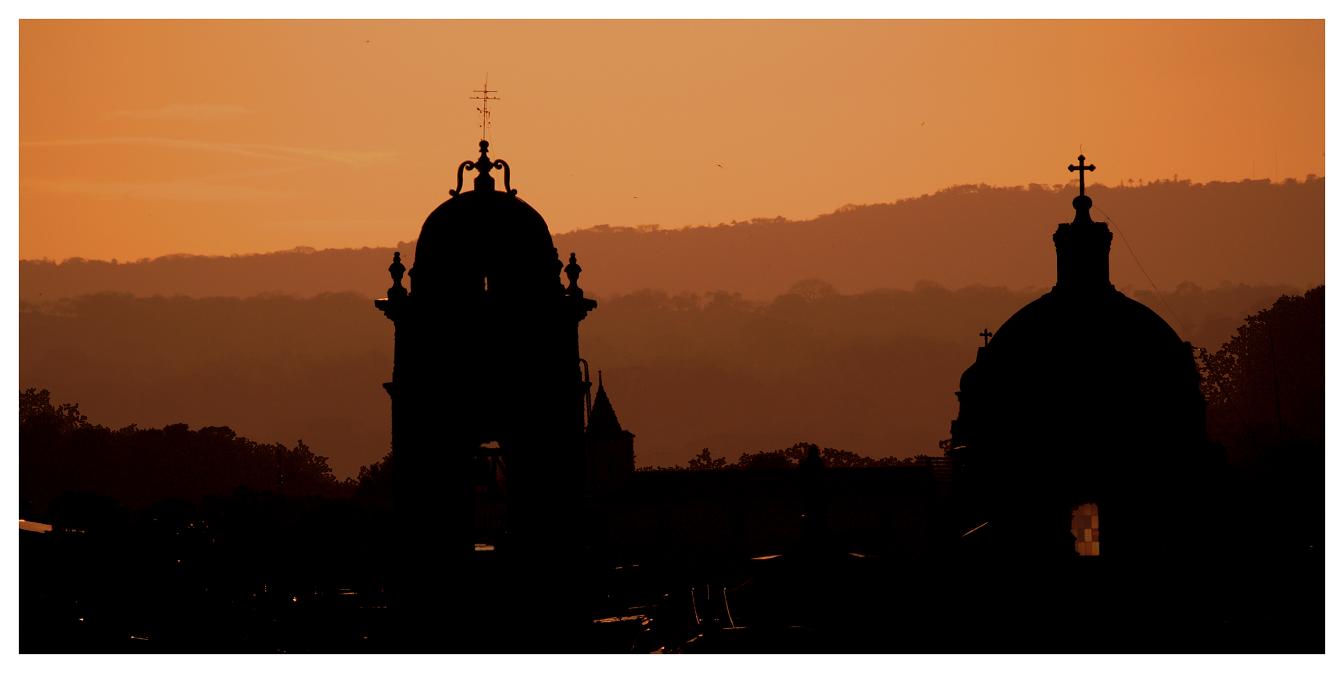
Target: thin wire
(1143,270)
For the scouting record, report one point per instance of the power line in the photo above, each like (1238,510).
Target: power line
(1142,270)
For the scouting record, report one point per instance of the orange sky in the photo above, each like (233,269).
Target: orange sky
(139,138)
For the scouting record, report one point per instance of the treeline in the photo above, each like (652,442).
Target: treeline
(61,452)
(965,235)
(872,372)
(1265,389)
(1265,386)
(791,457)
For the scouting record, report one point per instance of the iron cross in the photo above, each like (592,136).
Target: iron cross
(986,334)
(1080,168)
(484,109)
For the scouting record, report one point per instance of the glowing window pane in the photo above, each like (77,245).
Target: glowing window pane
(1087,530)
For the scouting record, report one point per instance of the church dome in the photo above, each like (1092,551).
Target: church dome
(1084,395)
(1105,320)
(484,237)
(1083,369)
(1081,362)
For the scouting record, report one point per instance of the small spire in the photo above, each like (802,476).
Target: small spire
(602,421)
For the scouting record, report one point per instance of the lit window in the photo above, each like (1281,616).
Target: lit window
(1087,530)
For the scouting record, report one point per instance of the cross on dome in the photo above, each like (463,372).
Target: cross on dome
(1080,168)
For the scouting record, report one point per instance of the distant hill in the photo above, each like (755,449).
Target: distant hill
(872,372)
(1251,232)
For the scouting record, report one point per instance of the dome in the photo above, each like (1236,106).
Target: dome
(484,237)
(1082,396)
(1065,367)
(1105,320)
(1083,373)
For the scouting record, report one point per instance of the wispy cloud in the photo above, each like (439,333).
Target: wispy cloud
(185,111)
(256,150)
(207,188)
(171,190)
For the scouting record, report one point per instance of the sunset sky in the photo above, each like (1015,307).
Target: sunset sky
(139,139)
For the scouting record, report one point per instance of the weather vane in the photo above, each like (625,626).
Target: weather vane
(485,99)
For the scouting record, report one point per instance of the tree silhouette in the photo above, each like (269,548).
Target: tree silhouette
(60,452)
(1265,387)
(793,455)
(1266,405)
(705,461)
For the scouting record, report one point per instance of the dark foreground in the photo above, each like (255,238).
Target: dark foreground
(257,573)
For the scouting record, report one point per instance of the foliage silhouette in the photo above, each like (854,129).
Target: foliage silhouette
(61,452)
(279,367)
(1265,386)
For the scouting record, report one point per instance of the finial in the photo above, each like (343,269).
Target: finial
(1082,203)
(484,181)
(396,270)
(986,334)
(599,379)
(572,270)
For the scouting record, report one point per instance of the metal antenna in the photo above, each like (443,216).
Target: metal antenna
(484,109)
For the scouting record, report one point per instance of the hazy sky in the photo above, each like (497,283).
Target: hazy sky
(139,138)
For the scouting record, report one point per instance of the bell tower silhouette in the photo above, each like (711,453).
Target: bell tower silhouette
(486,361)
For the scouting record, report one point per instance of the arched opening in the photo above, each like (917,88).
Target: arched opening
(489,495)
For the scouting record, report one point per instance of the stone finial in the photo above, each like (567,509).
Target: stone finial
(484,181)
(396,270)
(572,270)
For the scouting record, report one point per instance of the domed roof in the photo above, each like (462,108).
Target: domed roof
(1104,316)
(1066,348)
(1083,395)
(1084,311)
(1083,360)
(483,233)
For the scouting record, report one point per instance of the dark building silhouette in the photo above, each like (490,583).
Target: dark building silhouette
(486,378)
(1082,397)
(611,448)
(517,523)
